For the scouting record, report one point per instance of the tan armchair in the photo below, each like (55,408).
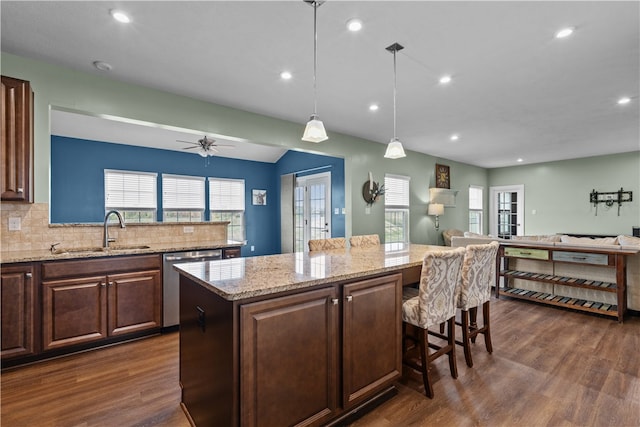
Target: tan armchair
(449,233)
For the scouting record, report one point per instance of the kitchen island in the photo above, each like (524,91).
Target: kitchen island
(293,339)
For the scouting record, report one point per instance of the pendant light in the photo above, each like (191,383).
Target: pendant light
(314,131)
(394,149)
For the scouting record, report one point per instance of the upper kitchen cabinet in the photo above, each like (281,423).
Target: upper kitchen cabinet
(16,180)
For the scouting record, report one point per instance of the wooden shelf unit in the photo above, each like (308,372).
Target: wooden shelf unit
(549,259)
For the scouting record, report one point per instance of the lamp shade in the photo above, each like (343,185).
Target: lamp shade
(314,131)
(436,209)
(394,150)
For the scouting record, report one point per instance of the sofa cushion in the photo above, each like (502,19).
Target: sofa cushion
(541,238)
(588,240)
(628,240)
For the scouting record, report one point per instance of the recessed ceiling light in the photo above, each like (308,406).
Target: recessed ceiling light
(102,66)
(520,160)
(354,25)
(285,75)
(120,16)
(565,32)
(373,107)
(454,137)
(446,79)
(624,100)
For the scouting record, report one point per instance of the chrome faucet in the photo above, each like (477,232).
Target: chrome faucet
(106,239)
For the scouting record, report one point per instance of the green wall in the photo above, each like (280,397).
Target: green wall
(93,93)
(558,192)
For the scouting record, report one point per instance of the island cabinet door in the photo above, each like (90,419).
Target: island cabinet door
(372,334)
(289,358)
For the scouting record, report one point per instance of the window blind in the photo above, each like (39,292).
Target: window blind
(226,194)
(396,190)
(475,197)
(125,189)
(182,192)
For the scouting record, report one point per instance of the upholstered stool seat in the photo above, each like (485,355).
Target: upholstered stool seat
(364,240)
(477,276)
(327,244)
(431,304)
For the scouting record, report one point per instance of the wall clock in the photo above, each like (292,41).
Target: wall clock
(443,179)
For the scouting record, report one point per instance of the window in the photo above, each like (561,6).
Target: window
(475,209)
(396,212)
(132,193)
(226,203)
(182,198)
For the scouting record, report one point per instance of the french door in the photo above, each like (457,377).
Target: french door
(312,209)
(507,211)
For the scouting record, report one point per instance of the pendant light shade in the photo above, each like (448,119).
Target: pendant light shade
(314,131)
(394,149)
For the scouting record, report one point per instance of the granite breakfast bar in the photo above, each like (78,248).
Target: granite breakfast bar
(293,339)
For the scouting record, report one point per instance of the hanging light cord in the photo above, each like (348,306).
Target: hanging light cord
(394,93)
(315,59)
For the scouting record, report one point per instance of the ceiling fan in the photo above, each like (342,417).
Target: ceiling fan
(206,146)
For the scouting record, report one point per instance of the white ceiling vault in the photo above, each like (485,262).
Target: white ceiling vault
(517,91)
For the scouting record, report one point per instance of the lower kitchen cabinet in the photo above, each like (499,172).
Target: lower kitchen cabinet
(80,307)
(17,305)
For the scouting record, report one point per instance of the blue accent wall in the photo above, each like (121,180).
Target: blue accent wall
(77,182)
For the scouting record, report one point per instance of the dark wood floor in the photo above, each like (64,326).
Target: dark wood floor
(550,367)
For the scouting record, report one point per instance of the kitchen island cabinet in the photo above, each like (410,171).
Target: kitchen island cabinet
(292,339)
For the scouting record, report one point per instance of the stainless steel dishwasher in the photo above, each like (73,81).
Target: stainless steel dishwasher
(171,281)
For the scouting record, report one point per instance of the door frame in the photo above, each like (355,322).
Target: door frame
(493,203)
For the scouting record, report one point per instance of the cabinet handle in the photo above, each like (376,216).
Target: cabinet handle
(102,284)
(349,298)
(111,283)
(28,275)
(334,301)
(20,190)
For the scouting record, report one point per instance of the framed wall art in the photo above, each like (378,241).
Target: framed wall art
(443,178)
(259,197)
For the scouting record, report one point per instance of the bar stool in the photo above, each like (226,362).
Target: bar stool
(434,304)
(364,240)
(478,274)
(327,244)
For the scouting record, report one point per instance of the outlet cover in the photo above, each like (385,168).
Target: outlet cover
(187,229)
(14,223)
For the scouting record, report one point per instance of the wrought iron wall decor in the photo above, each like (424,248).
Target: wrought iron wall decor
(610,197)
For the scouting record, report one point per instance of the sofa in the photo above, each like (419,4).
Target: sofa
(582,271)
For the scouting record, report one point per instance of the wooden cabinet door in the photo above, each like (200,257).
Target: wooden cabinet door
(135,301)
(74,311)
(289,359)
(372,333)
(17,305)
(16,179)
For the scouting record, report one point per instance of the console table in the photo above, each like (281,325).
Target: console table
(588,279)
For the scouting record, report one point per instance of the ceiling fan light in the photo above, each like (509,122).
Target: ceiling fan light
(314,131)
(203,153)
(395,150)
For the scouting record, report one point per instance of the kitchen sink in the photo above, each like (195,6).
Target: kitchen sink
(61,251)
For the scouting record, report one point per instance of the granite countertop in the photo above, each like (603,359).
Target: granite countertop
(115,250)
(240,278)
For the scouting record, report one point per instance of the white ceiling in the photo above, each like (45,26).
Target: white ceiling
(517,91)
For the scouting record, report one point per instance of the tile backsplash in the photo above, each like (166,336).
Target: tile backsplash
(37,234)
